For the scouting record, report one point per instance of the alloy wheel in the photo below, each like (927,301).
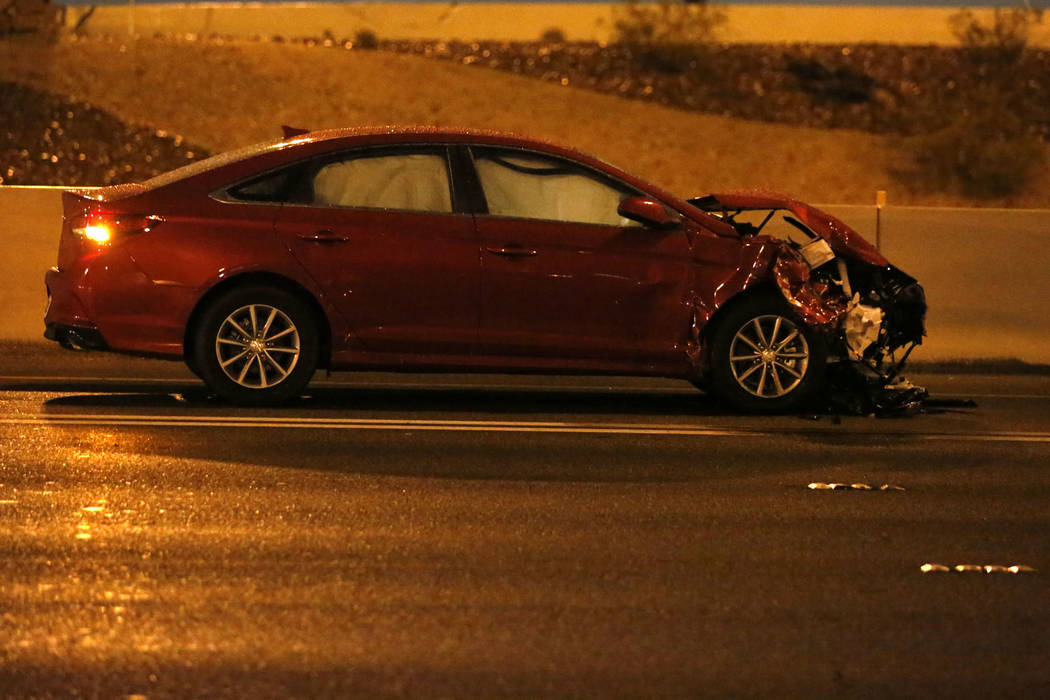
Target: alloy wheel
(769,356)
(257,346)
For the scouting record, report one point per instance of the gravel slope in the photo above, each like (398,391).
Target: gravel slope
(219,95)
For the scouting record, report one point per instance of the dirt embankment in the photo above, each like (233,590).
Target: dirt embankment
(221,94)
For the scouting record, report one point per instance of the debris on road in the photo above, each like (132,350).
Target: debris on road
(976,569)
(822,486)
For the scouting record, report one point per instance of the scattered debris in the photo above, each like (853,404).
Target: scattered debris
(821,486)
(976,569)
(949,403)
(856,388)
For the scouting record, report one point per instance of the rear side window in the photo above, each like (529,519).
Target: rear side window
(406,181)
(531,186)
(401,180)
(270,188)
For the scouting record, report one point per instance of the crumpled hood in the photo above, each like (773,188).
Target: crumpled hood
(842,239)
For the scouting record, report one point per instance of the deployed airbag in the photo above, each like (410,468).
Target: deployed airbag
(413,182)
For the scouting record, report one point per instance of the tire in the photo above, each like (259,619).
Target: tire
(256,346)
(765,359)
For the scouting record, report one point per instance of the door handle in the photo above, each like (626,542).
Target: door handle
(512,252)
(324,237)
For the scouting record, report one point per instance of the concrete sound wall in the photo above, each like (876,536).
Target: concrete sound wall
(520,21)
(985,271)
(30,225)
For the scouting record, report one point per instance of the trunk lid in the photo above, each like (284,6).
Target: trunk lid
(81,202)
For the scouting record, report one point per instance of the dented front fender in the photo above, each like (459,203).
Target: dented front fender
(818,308)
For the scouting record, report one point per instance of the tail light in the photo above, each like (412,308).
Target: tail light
(102,228)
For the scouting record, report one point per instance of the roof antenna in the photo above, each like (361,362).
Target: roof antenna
(293,131)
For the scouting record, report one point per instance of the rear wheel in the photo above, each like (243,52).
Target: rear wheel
(765,359)
(256,346)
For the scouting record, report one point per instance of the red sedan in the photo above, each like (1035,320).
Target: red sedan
(420,249)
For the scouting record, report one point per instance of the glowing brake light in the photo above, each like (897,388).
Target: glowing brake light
(102,228)
(93,232)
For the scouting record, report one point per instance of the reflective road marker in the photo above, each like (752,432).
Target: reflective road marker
(976,569)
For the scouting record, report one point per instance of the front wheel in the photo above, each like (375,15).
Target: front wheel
(765,359)
(256,346)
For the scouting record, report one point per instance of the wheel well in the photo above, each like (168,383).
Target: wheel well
(709,329)
(268,279)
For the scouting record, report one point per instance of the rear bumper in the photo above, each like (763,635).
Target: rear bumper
(76,337)
(107,303)
(66,321)
(64,306)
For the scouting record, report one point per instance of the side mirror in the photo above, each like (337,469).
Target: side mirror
(647,212)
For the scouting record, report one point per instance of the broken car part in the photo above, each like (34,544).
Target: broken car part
(868,313)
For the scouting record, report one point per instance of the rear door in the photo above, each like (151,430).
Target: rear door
(377,230)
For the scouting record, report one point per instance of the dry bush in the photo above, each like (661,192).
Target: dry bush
(366,39)
(553,35)
(33,17)
(1003,41)
(669,36)
(987,153)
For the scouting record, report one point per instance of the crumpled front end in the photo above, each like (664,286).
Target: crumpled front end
(870,314)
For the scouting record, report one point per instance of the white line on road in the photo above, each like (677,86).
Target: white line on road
(162,421)
(350,383)
(116,382)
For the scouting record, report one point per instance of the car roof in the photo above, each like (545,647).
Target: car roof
(441,135)
(350,137)
(424,134)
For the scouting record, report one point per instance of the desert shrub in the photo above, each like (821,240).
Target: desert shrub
(553,35)
(826,83)
(1003,41)
(366,39)
(988,150)
(33,17)
(987,153)
(668,36)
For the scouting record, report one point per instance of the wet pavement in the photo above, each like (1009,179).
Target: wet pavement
(521,536)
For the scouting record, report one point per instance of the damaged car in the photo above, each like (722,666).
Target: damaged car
(425,249)
(861,317)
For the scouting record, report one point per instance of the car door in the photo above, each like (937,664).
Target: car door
(563,275)
(377,230)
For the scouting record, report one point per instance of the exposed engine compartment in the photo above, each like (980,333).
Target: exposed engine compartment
(870,313)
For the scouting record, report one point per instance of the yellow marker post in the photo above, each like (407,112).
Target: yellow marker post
(880,202)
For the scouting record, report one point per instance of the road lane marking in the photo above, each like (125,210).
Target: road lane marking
(134,382)
(114,380)
(379,424)
(417,386)
(145,421)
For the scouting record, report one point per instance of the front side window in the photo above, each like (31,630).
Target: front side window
(409,181)
(531,186)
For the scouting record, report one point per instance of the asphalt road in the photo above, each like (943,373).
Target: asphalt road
(448,536)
